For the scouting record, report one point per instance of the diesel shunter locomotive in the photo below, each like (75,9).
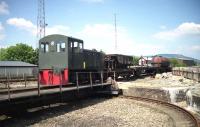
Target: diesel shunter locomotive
(60,57)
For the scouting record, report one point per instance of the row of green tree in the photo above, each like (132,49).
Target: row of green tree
(19,52)
(176,63)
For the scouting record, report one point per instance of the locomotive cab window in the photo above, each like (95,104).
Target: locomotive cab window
(44,47)
(71,45)
(78,45)
(60,46)
(81,45)
(75,44)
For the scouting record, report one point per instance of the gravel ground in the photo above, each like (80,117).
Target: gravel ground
(160,80)
(103,112)
(116,112)
(110,113)
(176,86)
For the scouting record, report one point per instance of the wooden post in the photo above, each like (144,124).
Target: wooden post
(5,72)
(114,75)
(91,80)
(61,83)
(24,76)
(8,86)
(77,83)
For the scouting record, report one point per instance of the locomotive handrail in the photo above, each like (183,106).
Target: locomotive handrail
(38,84)
(91,80)
(8,85)
(90,77)
(77,83)
(92,72)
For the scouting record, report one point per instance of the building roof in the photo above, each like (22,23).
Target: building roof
(16,64)
(146,57)
(185,59)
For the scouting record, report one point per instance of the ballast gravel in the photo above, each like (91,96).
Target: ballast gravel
(116,112)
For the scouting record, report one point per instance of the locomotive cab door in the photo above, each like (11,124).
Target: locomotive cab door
(76,54)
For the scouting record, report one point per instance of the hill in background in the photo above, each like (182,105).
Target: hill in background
(179,56)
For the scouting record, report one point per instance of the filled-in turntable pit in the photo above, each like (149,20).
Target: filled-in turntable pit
(165,87)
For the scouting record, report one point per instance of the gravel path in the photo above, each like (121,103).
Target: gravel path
(99,112)
(115,112)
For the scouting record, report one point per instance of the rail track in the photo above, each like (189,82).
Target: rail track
(180,116)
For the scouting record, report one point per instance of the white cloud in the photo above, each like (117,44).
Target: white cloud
(4,8)
(57,29)
(101,36)
(196,48)
(183,30)
(28,26)
(93,1)
(2,35)
(23,24)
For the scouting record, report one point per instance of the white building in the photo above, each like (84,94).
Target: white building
(145,61)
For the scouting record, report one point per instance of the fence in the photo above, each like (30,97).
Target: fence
(192,73)
(8,92)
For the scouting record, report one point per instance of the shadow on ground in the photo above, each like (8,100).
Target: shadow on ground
(32,116)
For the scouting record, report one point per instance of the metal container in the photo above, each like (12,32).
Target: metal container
(159,61)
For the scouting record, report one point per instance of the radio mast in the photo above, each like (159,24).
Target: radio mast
(41,19)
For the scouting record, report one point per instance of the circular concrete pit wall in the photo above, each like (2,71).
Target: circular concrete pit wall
(193,99)
(172,94)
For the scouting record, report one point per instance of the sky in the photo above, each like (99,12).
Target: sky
(144,27)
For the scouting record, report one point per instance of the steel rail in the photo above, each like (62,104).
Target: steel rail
(180,109)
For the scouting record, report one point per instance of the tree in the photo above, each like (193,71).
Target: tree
(36,56)
(176,63)
(2,53)
(21,52)
(136,60)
